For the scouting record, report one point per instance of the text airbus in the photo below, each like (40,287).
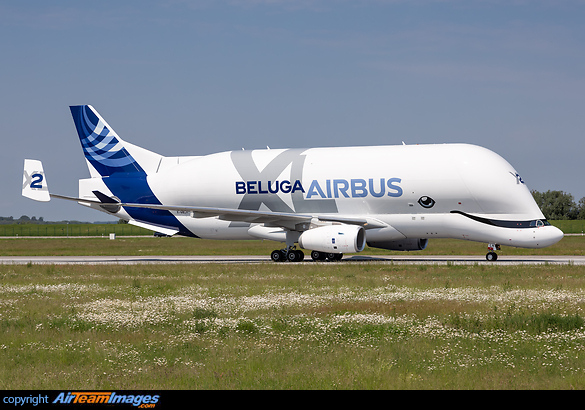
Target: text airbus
(329,188)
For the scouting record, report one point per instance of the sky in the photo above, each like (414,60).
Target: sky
(194,77)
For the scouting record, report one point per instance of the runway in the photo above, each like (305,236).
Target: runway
(251,259)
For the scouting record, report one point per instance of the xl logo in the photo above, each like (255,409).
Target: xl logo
(253,198)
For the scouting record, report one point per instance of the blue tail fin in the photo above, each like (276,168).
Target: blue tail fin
(103,149)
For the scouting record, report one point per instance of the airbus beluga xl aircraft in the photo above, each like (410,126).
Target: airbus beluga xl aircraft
(329,201)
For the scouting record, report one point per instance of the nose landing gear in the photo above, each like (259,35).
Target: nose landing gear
(491,255)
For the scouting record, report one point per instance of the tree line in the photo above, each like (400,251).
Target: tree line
(559,205)
(9,220)
(25,220)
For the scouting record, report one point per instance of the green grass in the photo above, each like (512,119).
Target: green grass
(570,226)
(287,326)
(148,245)
(291,326)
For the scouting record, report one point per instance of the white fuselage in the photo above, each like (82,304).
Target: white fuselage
(418,191)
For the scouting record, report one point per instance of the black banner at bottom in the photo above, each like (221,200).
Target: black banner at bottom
(113,399)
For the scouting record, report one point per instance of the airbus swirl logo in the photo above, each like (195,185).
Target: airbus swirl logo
(518,177)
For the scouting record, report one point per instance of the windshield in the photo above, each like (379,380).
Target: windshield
(539,222)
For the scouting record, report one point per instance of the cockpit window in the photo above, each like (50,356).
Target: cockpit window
(539,222)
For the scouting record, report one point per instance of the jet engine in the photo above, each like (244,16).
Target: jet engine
(401,244)
(334,239)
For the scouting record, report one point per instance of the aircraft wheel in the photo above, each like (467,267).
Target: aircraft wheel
(334,256)
(491,256)
(295,256)
(278,256)
(301,255)
(318,256)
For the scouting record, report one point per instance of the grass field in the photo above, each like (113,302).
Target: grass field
(288,326)
(148,245)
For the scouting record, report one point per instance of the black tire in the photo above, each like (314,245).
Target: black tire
(491,256)
(318,256)
(301,255)
(292,256)
(277,256)
(334,256)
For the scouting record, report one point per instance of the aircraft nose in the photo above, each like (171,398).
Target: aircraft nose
(551,235)
(558,234)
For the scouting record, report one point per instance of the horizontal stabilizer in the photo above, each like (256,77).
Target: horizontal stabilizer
(109,204)
(104,198)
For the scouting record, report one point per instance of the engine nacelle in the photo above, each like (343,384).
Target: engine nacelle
(334,239)
(401,244)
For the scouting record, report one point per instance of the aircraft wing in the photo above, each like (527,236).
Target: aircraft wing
(35,187)
(284,219)
(287,220)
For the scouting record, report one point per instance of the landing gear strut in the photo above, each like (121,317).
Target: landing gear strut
(491,255)
(289,253)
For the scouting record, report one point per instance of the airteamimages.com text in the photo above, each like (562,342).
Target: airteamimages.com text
(80,398)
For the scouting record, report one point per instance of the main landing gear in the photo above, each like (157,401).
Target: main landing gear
(321,256)
(291,255)
(296,255)
(491,255)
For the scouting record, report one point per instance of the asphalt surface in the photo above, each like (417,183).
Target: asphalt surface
(357,259)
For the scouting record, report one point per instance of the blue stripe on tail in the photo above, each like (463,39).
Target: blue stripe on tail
(126,179)
(101,145)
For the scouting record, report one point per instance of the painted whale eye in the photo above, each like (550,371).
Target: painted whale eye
(426,202)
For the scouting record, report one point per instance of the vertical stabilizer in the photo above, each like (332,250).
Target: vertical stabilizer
(106,153)
(34,181)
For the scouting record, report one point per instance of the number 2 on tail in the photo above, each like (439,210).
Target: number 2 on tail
(36,181)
